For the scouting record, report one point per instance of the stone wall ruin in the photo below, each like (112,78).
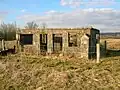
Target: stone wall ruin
(80,42)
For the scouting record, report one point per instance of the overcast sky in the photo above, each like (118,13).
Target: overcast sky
(101,14)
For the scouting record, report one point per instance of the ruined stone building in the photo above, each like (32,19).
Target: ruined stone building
(80,42)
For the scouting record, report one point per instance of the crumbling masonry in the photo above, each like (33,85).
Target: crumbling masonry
(80,42)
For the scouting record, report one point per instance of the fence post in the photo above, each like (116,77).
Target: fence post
(98,52)
(3,45)
(105,44)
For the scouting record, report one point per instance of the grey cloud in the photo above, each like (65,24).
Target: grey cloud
(77,3)
(101,19)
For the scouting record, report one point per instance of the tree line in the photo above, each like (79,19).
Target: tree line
(8,31)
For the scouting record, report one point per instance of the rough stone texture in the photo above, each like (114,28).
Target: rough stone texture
(36,42)
(30,49)
(10,44)
(86,40)
(50,43)
(84,47)
(65,42)
(35,47)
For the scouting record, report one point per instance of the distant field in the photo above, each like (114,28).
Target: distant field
(112,43)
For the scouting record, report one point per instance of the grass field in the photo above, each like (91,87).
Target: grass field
(113,44)
(64,73)
(36,73)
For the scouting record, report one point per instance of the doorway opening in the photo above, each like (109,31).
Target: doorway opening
(43,42)
(57,43)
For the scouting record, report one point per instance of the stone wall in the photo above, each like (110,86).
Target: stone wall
(84,47)
(30,49)
(10,44)
(86,40)
(33,48)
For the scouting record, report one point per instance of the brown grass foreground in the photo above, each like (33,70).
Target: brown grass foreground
(41,73)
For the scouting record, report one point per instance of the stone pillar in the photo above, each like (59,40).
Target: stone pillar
(84,48)
(50,43)
(18,42)
(65,42)
(3,44)
(36,42)
(79,35)
(17,36)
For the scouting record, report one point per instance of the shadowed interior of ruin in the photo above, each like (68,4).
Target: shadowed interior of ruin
(26,39)
(57,43)
(43,42)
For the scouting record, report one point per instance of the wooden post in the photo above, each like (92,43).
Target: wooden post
(3,46)
(105,44)
(98,52)
(17,42)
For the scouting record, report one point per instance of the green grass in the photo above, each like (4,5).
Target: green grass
(40,73)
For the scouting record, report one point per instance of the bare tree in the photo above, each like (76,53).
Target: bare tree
(31,25)
(44,25)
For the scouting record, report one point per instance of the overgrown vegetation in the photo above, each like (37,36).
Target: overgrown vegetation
(47,73)
(8,31)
